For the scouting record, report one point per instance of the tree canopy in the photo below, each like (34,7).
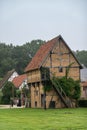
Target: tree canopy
(8,92)
(17,57)
(82,57)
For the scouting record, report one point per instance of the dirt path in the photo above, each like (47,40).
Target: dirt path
(9,106)
(4,106)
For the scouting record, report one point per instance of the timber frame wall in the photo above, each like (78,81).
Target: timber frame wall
(56,61)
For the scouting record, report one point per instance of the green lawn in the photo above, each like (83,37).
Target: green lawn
(39,119)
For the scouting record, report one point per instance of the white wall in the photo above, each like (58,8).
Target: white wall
(15,74)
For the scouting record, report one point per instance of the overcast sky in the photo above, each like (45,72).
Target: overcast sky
(25,20)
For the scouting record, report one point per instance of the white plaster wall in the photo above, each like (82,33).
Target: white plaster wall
(15,74)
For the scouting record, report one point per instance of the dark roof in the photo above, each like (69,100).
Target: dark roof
(43,52)
(6,77)
(17,81)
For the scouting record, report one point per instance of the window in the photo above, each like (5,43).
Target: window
(38,84)
(52,104)
(29,85)
(35,104)
(60,69)
(45,73)
(84,88)
(33,84)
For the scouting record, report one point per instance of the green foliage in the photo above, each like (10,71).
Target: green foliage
(68,69)
(77,90)
(0,78)
(18,93)
(25,91)
(82,56)
(70,86)
(8,91)
(17,57)
(1,94)
(47,86)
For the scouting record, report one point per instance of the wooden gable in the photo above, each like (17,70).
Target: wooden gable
(60,57)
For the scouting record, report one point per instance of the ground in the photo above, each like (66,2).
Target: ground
(40,119)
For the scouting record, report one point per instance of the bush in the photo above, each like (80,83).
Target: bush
(5,100)
(82,103)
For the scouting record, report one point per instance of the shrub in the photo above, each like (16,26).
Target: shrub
(47,86)
(8,92)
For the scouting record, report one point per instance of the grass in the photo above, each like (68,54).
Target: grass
(39,119)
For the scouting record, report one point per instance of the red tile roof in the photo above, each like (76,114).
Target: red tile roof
(43,52)
(41,55)
(84,84)
(17,81)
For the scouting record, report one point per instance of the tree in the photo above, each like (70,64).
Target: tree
(82,56)
(9,91)
(1,94)
(17,57)
(18,93)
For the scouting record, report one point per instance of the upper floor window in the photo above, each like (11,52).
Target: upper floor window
(60,69)
(33,84)
(38,84)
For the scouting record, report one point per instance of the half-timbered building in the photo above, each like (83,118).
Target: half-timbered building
(52,58)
